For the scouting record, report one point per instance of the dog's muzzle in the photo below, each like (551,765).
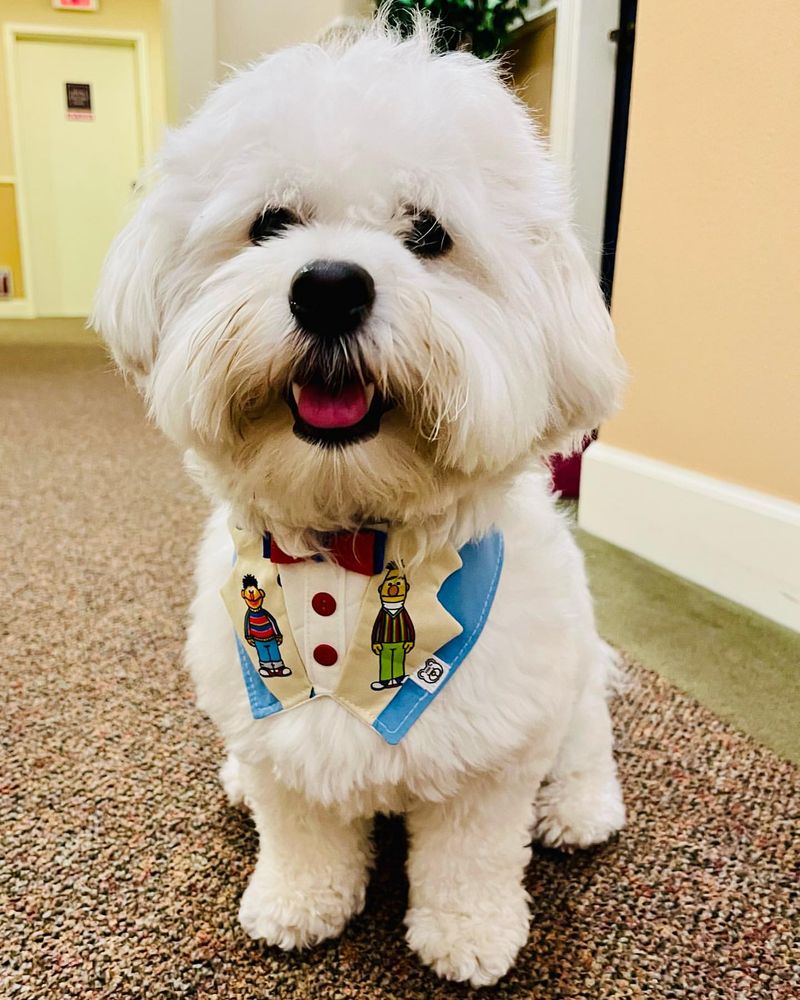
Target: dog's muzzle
(333,401)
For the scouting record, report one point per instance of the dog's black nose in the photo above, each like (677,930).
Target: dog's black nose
(331,297)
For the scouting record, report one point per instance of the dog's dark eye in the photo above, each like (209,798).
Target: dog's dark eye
(428,238)
(271,222)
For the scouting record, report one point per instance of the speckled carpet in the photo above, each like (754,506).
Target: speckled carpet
(122,864)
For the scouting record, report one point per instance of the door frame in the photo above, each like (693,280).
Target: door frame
(582,89)
(25,306)
(626,46)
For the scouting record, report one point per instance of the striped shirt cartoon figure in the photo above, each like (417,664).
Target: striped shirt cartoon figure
(261,630)
(393,633)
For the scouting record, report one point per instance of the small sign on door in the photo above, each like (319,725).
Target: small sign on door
(79,102)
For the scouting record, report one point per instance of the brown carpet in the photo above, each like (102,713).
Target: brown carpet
(122,865)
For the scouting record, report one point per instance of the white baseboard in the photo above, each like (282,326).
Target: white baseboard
(735,541)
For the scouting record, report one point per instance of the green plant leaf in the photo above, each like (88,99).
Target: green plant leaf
(481,25)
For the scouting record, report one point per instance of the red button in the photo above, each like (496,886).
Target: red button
(324,604)
(325,655)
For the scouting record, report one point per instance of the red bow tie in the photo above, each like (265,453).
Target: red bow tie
(362,552)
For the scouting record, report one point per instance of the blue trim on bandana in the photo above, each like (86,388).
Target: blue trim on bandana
(262,701)
(467,595)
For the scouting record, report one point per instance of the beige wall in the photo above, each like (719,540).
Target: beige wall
(191,54)
(708,267)
(246,29)
(205,38)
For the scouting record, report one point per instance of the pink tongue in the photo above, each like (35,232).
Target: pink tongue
(320,408)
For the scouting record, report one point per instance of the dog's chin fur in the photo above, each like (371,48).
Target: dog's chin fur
(488,357)
(391,478)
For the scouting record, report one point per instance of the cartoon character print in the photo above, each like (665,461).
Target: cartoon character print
(261,630)
(393,635)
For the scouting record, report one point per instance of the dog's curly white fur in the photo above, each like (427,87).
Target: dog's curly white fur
(495,354)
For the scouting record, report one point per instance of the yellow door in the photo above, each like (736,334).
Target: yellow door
(80,158)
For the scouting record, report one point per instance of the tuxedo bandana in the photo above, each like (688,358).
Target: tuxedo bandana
(354,627)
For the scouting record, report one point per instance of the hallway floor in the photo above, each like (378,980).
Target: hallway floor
(742,666)
(122,863)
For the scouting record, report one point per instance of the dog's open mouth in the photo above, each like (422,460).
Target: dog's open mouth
(339,415)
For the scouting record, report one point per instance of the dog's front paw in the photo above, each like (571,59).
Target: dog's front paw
(301,914)
(579,811)
(478,947)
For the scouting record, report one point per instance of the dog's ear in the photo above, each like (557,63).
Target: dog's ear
(128,305)
(587,373)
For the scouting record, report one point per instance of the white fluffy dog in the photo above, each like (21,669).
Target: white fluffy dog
(354,298)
